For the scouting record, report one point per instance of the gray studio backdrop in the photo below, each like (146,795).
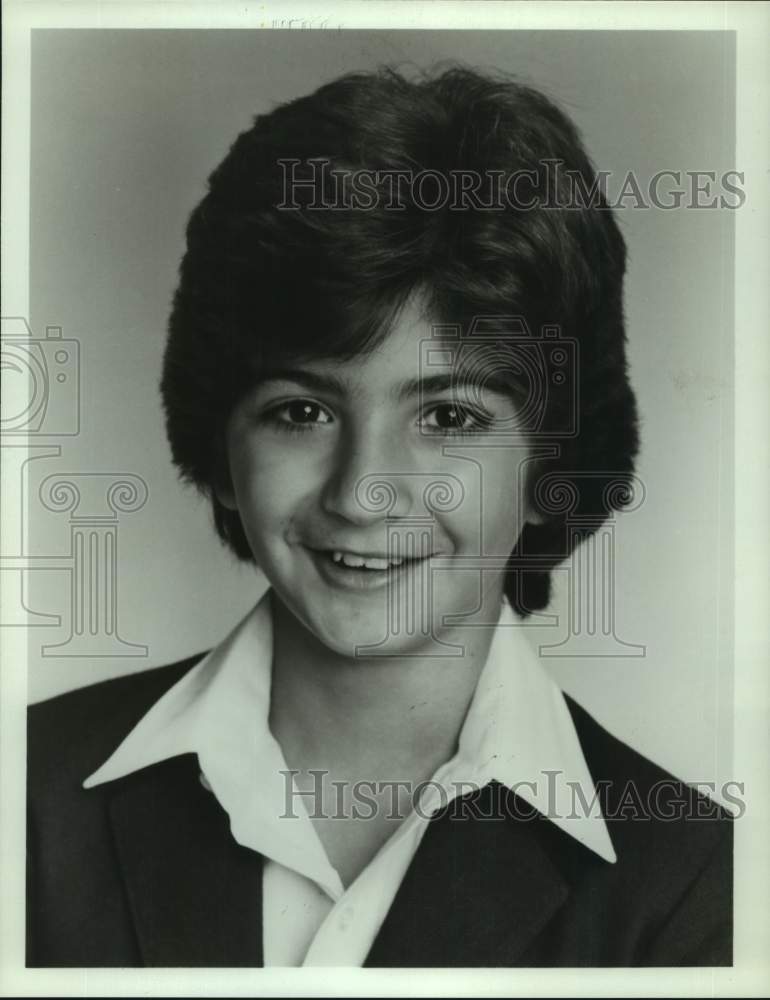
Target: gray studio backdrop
(126,126)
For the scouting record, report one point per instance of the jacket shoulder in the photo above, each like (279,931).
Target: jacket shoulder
(73,733)
(674,847)
(629,779)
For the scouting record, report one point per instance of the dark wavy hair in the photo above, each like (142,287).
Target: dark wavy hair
(260,283)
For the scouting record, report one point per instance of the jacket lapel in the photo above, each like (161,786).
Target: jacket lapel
(478,891)
(195,894)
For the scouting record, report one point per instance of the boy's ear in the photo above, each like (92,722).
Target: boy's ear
(225,495)
(223,486)
(532,514)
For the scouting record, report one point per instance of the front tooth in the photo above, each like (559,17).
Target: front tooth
(350,560)
(376,563)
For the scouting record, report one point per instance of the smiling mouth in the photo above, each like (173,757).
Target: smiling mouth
(354,573)
(366,564)
(352,560)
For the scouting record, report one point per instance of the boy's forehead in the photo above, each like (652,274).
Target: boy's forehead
(418,353)
(403,350)
(396,372)
(410,343)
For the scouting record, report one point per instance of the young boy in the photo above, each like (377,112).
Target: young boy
(398,329)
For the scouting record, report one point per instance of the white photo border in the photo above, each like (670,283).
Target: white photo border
(750,975)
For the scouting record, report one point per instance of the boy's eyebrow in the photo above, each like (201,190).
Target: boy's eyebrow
(312,380)
(428,384)
(452,381)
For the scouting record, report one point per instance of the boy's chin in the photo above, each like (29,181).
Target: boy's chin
(374,644)
(364,635)
(372,626)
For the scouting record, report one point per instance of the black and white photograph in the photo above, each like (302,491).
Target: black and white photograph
(384,442)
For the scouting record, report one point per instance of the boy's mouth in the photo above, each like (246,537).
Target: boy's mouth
(354,570)
(355,561)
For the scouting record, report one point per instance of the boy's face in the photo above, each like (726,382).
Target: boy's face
(364,459)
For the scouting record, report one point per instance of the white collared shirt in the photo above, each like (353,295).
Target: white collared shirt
(518,731)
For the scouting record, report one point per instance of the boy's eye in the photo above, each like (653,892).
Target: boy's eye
(298,414)
(446,418)
(304,411)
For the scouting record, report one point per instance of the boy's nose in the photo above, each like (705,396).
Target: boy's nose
(371,477)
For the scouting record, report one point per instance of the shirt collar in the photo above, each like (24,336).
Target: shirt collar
(518,731)
(219,710)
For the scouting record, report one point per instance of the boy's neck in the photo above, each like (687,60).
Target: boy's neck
(383,718)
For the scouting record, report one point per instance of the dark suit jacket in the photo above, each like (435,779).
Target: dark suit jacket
(144,870)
